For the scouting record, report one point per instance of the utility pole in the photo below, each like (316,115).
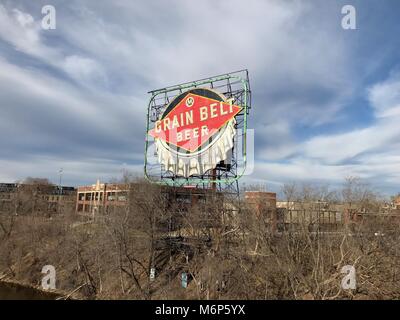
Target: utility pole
(60,172)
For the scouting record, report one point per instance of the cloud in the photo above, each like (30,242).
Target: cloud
(20,29)
(385,97)
(26,35)
(49,167)
(78,93)
(43,115)
(83,69)
(372,153)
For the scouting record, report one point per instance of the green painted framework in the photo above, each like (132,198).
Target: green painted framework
(182,88)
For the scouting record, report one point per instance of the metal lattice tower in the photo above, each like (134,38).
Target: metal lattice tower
(224,177)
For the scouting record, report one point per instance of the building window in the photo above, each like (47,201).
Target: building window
(111,196)
(88,196)
(81,196)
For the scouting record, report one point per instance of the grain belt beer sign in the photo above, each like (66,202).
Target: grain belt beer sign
(195,132)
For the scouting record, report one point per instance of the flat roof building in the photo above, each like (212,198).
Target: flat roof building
(396,202)
(90,199)
(261,199)
(36,197)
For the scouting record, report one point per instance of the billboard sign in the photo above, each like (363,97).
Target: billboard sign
(195,132)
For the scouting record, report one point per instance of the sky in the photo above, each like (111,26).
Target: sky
(326,100)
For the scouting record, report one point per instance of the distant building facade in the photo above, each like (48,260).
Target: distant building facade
(396,202)
(7,197)
(105,196)
(19,198)
(261,200)
(264,205)
(92,198)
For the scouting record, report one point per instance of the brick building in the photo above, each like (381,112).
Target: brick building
(103,196)
(61,199)
(7,196)
(20,198)
(98,196)
(261,200)
(396,203)
(264,205)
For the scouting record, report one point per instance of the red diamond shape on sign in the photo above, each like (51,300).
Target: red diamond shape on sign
(193,121)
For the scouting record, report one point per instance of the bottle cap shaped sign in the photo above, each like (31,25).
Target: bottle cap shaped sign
(195,132)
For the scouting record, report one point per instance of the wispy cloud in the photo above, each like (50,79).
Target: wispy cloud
(78,93)
(372,152)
